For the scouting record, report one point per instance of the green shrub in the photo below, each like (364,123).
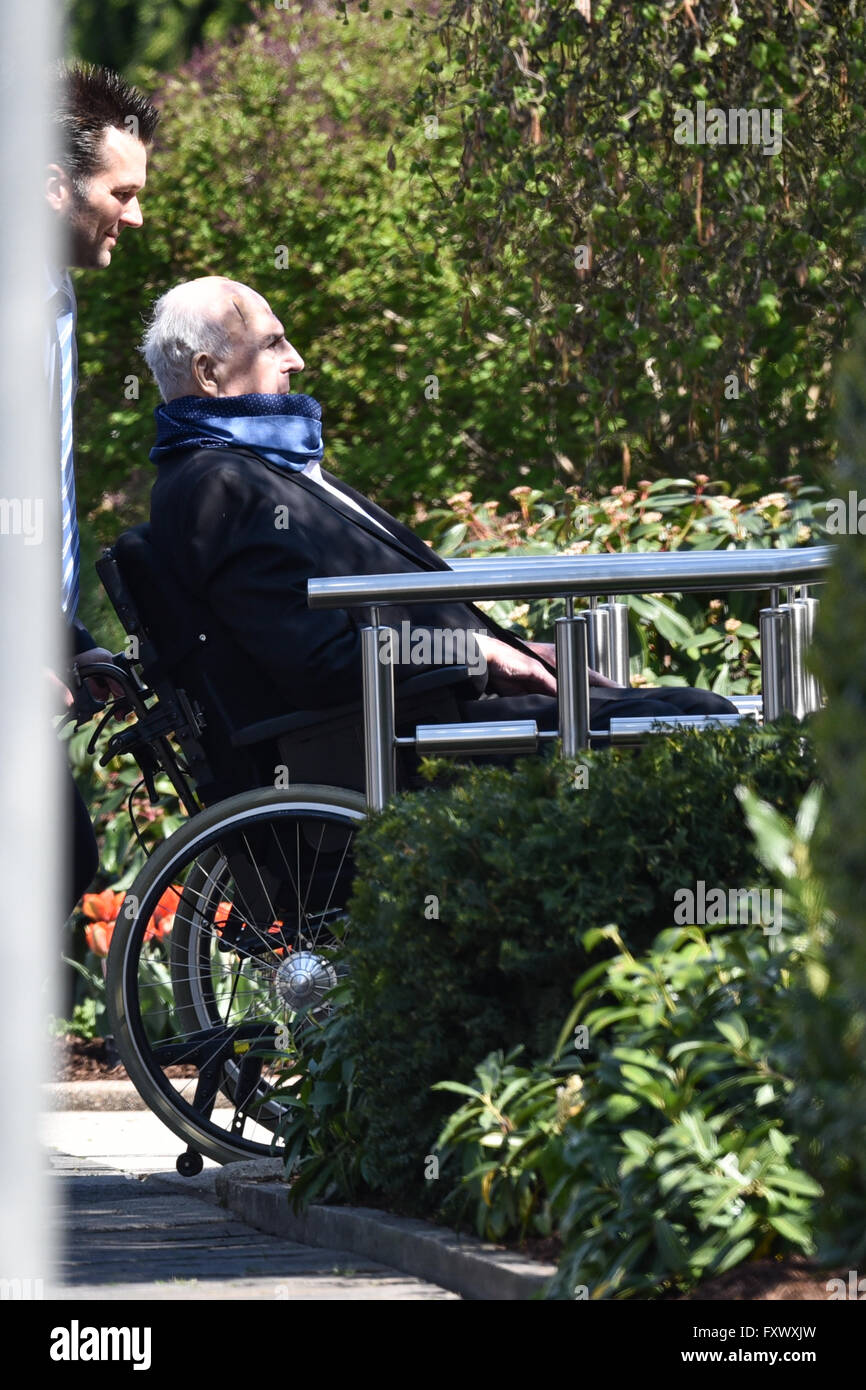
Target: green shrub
(662,1158)
(681,303)
(325,1123)
(832,1020)
(127,34)
(504,1134)
(519,864)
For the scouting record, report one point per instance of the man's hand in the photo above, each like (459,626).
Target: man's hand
(547,652)
(99,689)
(63,695)
(511,672)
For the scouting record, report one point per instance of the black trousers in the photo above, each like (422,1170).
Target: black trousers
(604,705)
(82,856)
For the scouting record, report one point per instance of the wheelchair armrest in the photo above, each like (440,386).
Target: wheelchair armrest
(267,729)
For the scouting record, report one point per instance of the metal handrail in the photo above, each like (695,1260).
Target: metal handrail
(567,576)
(785,629)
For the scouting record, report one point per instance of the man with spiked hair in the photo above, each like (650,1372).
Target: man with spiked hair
(101,130)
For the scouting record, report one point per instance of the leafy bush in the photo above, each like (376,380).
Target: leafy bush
(131,33)
(680,304)
(324,1127)
(519,865)
(831,1027)
(663,1158)
(658,1141)
(503,1135)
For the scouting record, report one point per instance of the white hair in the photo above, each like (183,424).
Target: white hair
(182,325)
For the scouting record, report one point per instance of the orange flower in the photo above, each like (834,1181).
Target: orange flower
(162,920)
(102,907)
(99,935)
(221,915)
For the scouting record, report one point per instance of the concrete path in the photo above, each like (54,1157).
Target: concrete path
(134,1229)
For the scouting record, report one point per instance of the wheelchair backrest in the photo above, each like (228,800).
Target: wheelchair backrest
(182,649)
(235,734)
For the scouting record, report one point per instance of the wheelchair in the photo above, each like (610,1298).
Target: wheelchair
(226,949)
(226,946)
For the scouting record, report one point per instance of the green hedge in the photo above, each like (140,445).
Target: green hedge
(519,864)
(707,261)
(831,1019)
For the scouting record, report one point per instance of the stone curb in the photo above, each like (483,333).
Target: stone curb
(473,1268)
(98,1095)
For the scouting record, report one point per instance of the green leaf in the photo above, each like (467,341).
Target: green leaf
(737,1253)
(779,1143)
(773,834)
(671,1247)
(638,1143)
(734,1030)
(793,1228)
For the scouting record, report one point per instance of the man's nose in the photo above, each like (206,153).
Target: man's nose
(294,360)
(132,214)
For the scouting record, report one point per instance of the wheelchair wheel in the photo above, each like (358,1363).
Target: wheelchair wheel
(226,945)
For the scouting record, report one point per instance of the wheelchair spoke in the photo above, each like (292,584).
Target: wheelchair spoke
(335,880)
(213,988)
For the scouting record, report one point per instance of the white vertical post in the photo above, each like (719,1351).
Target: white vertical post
(33,807)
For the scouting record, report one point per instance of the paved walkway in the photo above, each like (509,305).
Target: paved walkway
(134,1229)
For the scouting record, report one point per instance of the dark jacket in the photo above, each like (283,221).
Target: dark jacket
(214,521)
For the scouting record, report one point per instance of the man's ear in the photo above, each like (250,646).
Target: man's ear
(58,189)
(204,374)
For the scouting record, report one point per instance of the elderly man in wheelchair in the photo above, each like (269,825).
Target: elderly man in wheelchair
(227,944)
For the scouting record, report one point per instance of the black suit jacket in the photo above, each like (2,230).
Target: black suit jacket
(214,522)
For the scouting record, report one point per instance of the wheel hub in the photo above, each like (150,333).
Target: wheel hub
(303,979)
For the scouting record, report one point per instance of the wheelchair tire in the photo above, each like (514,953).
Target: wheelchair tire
(223,944)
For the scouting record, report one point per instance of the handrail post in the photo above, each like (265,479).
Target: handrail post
(814,693)
(572,681)
(617,665)
(772,623)
(795,639)
(380,752)
(597,620)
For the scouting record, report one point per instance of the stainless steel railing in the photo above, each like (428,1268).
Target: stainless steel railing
(597,637)
(574,576)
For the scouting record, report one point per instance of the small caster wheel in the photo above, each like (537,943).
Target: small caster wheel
(189,1164)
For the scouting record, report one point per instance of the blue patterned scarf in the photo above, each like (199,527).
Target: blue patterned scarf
(286,430)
